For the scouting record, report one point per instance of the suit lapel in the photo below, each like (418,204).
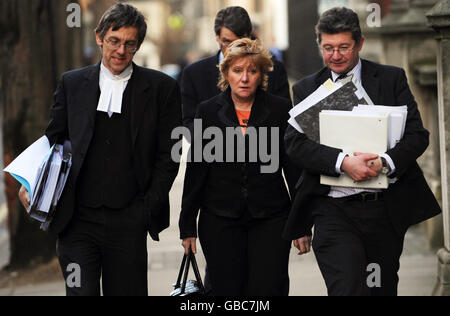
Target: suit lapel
(322,77)
(260,111)
(228,115)
(139,99)
(88,101)
(214,74)
(371,82)
(90,95)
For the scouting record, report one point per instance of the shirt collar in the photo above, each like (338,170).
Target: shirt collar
(356,72)
(125,74)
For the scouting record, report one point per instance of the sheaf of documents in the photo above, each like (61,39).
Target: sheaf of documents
(397,119)
(25,167)
(49,178)
(43,171)
(355,132)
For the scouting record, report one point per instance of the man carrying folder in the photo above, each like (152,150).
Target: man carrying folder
(119,118)
(358,230)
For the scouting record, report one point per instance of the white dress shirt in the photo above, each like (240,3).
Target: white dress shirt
(112,88)
(339,192)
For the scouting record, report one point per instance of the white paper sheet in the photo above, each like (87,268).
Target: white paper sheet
(25,167)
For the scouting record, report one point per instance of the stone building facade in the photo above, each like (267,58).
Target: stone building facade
(404,39)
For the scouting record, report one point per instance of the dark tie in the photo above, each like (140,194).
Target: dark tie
(341,77)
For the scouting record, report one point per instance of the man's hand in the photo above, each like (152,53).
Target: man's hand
(376,165)
(356,167)
(190,243)
(24,197)
(303,245)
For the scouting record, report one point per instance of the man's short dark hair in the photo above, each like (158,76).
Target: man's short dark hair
(339,20)
(121,15)
(236,19)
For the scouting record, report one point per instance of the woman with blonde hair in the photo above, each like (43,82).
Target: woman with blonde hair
(243,207)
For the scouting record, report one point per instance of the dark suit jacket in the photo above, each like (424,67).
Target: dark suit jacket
(228,189)
(199,84)
(410,200)
(156,111)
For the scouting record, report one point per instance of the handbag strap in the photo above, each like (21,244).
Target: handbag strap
(186,272)
(185,265)
(180,274)
(197,273)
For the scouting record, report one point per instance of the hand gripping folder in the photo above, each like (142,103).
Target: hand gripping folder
(51,183)
(44,172)
(355,132)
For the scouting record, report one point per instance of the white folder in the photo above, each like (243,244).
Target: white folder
(397,120)
(355,132)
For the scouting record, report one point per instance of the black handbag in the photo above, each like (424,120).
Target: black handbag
(191,287)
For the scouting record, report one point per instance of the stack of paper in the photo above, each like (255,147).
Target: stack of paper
(43,171)
(48,188)
(397,119)
(25,167)
(349,121)
(367,129)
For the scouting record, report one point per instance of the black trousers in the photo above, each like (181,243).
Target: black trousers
(356,246)
(106,244)
(246,256)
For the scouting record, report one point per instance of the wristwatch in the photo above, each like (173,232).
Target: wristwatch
(386,168)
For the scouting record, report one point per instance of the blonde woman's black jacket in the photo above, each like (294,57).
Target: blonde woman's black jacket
(229,189)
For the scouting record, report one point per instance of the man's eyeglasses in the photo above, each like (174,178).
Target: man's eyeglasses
(341,50)
(115,44)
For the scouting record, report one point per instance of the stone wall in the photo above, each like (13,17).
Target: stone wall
(405,40)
